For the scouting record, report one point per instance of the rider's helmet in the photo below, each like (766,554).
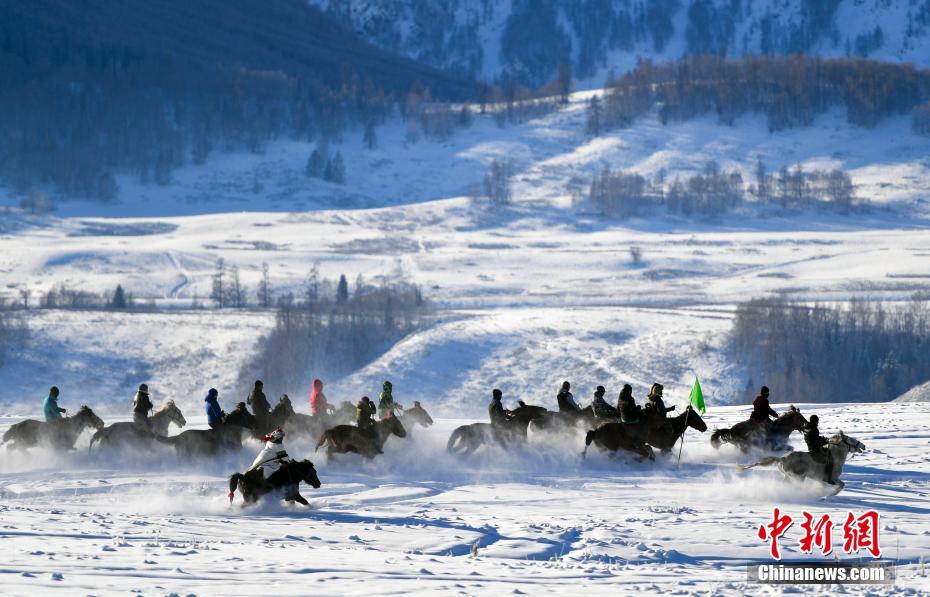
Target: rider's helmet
(258,383)
(275,437)
(814,420)
(600,391)
(497,393)
(53,391)
(566,386)
(764,391)
(143,388)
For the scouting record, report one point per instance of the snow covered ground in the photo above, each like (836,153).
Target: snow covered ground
(539,520)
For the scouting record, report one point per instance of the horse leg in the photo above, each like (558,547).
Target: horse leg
(300,499)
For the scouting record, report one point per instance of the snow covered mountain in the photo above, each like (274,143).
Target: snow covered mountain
(529,39)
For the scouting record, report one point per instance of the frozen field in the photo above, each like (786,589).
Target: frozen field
(539,521)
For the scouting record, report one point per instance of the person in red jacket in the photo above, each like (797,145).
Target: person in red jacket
(761,411)
(318,404)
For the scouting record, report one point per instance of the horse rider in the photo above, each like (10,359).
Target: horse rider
(566,401)
(496,412)
(50,407)
(602,410)
(215,414)
(386,400)
(364,414)
(630,412)
(141,405)
(817,447)
(762,411)
(319,407)
(656,404)
(272,454)
(259,403)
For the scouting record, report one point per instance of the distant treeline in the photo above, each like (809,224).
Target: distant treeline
(710,193)
(89,91)
(790,91)
(331,330)
(862,351)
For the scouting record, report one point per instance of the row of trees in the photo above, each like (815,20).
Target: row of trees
(790,91)
(64,297)
(862,351)
(321,164)
(329,330)
(713,191)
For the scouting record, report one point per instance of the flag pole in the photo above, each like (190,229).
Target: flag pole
(681,447)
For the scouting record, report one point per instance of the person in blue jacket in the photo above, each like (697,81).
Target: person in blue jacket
(215,414)
(50,407)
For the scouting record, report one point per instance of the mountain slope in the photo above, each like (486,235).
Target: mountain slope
(530,38)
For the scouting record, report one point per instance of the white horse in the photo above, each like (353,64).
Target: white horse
(800,465)
(164,416)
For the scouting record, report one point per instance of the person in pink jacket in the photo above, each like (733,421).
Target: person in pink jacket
(318,404)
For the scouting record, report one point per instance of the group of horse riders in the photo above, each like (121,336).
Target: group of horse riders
(655,412)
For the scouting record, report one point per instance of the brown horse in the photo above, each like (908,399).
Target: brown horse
(282,412)
(665,434)
(60,434)
(611,437)
(253,484)
(640,438)
(749,434)
(567,421)
(300,425)
(129,433)
(369,443)
(468,438)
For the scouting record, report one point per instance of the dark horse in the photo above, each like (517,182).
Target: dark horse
(60,434)
(279,415)
(415,415)
(468,438)
(369,443)
(640,438)
(749,434)
(286,480)
(209,442)
(566,421)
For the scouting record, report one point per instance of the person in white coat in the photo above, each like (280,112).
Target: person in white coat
(273,454)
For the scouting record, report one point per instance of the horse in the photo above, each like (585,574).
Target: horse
(253,485)
(641,438)
(664,436)
(60,434)
(349,438)
(748,434)
(415,415)
(210,442)
(468,438)
(132,433)
(800,465)
(566,421)
(164,416)
(282,412)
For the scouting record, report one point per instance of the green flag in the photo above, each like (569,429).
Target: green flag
(697,397)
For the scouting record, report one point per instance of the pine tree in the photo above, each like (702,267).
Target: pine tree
(342,290)
(218,291)
(264,288)
(119,298)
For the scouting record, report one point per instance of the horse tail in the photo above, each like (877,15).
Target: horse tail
(768,461)
(718,437)
(95,438)
(454,438)
(588,438)
(323,438)
(233,483)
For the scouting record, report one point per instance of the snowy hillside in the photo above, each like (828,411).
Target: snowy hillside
(530,39)
(530,295)
(537,521)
